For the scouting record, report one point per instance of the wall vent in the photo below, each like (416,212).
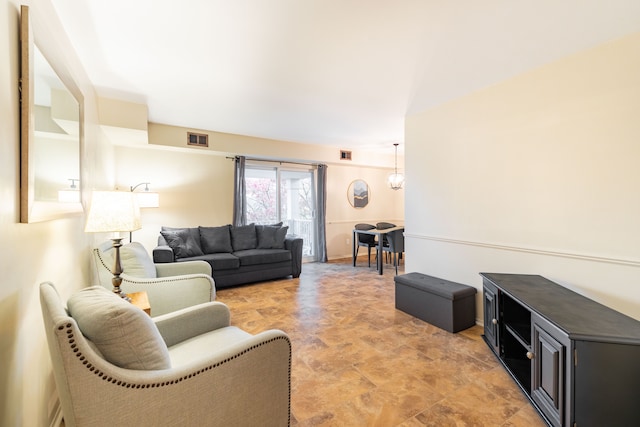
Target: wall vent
(345,155)
(198,139)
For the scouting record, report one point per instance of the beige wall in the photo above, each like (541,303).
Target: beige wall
(196,184)
(538,174)
(56,251)
(195,188)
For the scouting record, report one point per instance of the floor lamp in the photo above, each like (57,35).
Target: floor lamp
(113,212)
(146,199)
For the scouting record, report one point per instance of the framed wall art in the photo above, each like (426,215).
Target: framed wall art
(358,194)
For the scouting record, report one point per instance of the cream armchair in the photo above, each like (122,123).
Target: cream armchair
(115,366)
(170,287)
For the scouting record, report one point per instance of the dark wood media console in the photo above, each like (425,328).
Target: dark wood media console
(578,361)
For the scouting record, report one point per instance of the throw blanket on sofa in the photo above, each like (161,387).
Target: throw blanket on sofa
(237,255)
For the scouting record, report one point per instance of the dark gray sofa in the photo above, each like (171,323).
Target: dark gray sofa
(237,255)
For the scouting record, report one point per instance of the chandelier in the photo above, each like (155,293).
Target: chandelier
(396,180)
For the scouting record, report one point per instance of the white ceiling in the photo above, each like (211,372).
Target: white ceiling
(338,72)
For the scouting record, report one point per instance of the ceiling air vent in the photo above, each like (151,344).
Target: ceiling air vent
(198,139)
(345,155)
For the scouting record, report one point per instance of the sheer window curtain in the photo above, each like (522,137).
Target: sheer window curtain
(240,193)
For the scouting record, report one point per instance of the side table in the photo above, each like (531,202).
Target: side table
(141,300)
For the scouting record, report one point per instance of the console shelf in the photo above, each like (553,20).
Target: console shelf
(556,344)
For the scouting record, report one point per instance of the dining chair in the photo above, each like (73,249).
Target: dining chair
(384,226)
(366,240)
(395,246)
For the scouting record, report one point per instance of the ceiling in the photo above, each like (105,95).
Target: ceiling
(336,72)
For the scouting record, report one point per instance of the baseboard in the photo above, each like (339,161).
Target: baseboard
(55,413)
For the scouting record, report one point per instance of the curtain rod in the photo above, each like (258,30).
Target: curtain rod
(255,159)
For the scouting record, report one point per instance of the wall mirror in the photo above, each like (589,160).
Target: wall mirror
(49,136)
(358,194)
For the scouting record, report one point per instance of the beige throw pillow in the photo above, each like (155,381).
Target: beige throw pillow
(135,261)
(123,333)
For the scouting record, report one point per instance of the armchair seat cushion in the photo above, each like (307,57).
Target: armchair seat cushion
(124,334)
(184,352)
(262,256)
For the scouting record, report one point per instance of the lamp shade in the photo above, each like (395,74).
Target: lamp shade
(69,195)
(112,211)
(148,199)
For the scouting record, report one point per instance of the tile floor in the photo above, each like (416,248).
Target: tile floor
(357,361)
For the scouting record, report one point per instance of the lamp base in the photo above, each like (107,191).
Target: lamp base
(117,270)
(121,294)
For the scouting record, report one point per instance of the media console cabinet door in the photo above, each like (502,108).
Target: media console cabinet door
(491,317)
(548,385)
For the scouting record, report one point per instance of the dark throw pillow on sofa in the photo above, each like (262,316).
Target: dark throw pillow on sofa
(182,243)
(266,236)
(271,237)
(244,237)
(281,234)
(216,239)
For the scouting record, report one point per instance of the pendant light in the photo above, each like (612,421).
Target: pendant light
(396,180)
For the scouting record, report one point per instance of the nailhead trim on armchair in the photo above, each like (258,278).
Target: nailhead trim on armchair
(82,358)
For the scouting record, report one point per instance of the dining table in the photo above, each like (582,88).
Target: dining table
(378,232)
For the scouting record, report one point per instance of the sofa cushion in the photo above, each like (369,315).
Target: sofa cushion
(216,239)
(219,261)
(244,237)
(262,256)
(270,237)
(123,333)
(182,241)
(136,261)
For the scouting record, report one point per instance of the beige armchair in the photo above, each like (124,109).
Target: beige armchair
(170,287)
(115,366)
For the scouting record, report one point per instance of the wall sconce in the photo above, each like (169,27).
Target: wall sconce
(71,194)
(146,198)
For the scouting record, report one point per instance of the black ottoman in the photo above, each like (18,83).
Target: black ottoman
(447,305)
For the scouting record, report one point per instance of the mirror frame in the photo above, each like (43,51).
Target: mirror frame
(30,209)
(354,200)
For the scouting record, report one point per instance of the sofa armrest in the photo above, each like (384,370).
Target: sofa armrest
(192,321)
(163,254)
(294,244)
(185,267)
(172,293)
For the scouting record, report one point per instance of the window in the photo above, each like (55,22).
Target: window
(284,194)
